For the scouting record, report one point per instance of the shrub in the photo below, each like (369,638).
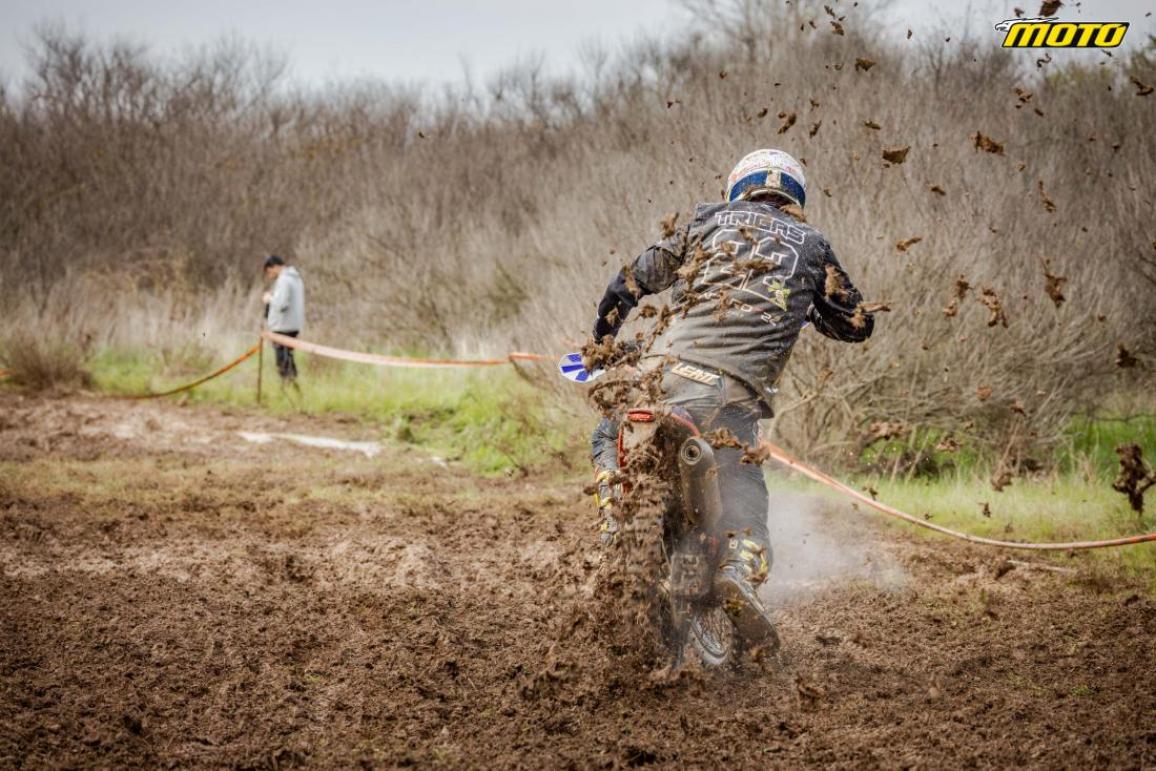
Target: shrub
(42,364)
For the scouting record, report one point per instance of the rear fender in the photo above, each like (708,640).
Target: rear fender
(637,430)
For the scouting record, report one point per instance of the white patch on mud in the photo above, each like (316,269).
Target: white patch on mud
(378,562)
(368,449)
(541,554)
(813,551)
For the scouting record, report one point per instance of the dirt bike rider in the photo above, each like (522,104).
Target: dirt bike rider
(747,275)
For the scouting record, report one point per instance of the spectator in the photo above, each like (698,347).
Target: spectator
(284,312)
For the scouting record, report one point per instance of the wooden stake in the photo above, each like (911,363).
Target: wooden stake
(260,368)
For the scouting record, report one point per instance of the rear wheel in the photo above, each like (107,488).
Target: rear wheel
(712,636)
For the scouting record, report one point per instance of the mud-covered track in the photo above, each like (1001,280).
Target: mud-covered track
(172,595)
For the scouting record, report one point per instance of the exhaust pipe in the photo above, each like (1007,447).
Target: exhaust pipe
(698,473)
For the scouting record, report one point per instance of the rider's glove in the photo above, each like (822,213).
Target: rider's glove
(602,328)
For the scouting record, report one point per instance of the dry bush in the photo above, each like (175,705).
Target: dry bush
(489,219)
(40,363)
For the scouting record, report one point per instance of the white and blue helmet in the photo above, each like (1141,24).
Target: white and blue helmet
(766,172)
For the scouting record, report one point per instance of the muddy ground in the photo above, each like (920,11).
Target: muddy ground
(172,594)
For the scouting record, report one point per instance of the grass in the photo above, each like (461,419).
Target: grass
(1088,449)
(1059,508)
(1093,442)
(1056,508)
(489,419)
(1073,502)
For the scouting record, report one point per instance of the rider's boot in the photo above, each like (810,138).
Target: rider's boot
(605,495)
(742,570)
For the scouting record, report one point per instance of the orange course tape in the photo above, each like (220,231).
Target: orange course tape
(395,361)
(782,456)
(189,386)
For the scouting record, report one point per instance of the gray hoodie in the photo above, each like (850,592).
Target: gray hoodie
(287,308)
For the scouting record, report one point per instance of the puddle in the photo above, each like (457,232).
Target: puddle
(368,449)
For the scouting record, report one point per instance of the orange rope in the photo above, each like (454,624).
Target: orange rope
(247,354)
(395,361)
(782,456)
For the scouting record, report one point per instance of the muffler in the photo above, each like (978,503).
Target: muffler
(698,472)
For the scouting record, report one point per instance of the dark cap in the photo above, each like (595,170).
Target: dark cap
(273,260)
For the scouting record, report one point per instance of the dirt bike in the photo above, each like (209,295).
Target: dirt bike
(668,541)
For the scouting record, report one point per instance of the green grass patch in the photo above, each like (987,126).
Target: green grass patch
(1092,442)
(490,419)
(1088,448)
(1057,508)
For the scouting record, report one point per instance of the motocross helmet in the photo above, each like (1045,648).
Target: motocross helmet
(768,172)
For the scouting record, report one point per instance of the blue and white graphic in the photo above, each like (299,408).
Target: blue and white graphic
(571,367)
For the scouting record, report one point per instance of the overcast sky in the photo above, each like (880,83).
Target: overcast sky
(428,40)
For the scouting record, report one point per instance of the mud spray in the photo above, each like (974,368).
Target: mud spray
(814,551)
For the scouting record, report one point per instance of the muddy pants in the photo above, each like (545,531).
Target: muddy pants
(286,367)
(726,403)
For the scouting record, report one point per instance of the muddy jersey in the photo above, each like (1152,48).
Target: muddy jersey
(746,277)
